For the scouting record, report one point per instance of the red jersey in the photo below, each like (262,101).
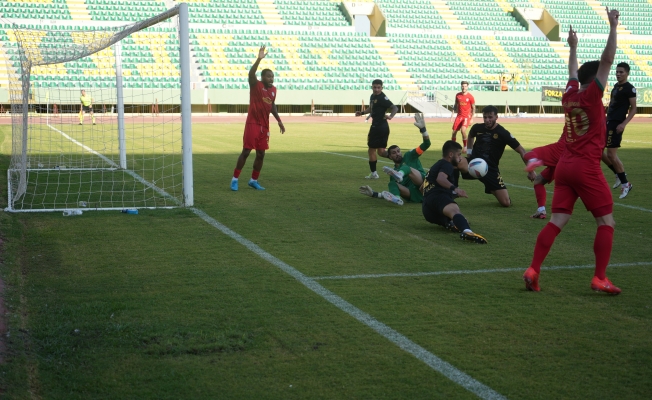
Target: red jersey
(465,104)
(586,127)
(261,100)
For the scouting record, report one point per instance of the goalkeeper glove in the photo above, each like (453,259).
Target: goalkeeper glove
(420,123)
(367,191)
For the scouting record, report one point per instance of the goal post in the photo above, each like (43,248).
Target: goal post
(82,133)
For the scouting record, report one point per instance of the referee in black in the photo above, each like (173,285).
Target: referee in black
(622,108)
(379,103)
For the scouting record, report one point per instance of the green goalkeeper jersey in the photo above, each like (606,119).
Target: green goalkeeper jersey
(86,100)
(411,160)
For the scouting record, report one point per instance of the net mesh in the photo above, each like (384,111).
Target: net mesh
(67,148)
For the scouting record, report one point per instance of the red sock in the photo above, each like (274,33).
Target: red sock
(255,174)
(604,239)
(544,242)
(464,140)
(236,173)
(454,139)
(540,192)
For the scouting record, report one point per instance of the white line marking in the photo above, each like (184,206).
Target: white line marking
(390,334)
(616,204)
(361,158)
(477,271)
(508,184)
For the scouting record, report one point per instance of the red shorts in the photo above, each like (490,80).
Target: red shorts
(256,137)
(548,174)
(550,153)
(577,179)
(460,122)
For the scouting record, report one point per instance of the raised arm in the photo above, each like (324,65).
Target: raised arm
(254,68)
(609,52)
(572,58)
(420,123)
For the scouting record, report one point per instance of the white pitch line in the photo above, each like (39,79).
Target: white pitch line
(476,271)
(615,203)
(361,158)
(390,334)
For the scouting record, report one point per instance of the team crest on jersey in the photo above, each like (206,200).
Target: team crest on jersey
(267,100)
(620,88)
(375,101)
(495,136)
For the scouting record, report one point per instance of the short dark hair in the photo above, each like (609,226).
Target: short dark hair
(392,147)
(490,109)
(377,82)
(464,83)
(588,71)
(266,71)
(450,146)
(624,66)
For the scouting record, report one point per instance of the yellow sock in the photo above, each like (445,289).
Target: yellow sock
(81,117)
(93,117)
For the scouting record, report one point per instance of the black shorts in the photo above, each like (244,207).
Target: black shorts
(433,208)
(492,181)
(88,109)
(378,135)
(613,138)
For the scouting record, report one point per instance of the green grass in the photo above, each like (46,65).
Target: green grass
(163,305)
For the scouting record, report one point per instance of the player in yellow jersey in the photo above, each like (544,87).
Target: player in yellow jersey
(86,106)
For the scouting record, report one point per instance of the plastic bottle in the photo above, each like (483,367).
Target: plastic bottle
(67,213)
(130,211)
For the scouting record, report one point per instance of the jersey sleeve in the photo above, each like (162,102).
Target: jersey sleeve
(386,102)
(632,92)
(472,102)
(473,132)
(422,147)
(509,139)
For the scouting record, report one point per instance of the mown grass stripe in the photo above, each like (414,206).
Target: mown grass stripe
(390,334)
(476,271)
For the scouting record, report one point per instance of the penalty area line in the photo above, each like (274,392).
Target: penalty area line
(434,362)
(476,271)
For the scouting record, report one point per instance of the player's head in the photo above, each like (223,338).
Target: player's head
(267,77)
(83,92)
(587,72)
(622,72)
(490,116)
(452,151)
(394,154)
(465,86)
(377,86)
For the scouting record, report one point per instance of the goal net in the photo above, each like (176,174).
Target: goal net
(101,117)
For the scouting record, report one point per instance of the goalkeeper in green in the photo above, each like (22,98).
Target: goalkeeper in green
(406,178)
(86,106)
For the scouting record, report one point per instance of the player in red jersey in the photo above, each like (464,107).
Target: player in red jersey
(578,171)
(465,108)
(547,156)
(262,101)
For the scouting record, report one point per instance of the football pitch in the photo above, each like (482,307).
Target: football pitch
(310,290)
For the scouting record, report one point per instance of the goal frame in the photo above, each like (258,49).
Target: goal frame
(22,109)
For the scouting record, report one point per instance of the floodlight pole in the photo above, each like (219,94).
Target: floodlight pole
(186,116)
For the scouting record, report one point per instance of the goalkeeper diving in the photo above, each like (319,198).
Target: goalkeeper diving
(406,178)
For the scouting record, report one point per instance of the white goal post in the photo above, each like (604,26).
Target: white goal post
(101,117)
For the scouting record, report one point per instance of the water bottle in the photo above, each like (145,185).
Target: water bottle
(130,211)
(67,213)
(83,204)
